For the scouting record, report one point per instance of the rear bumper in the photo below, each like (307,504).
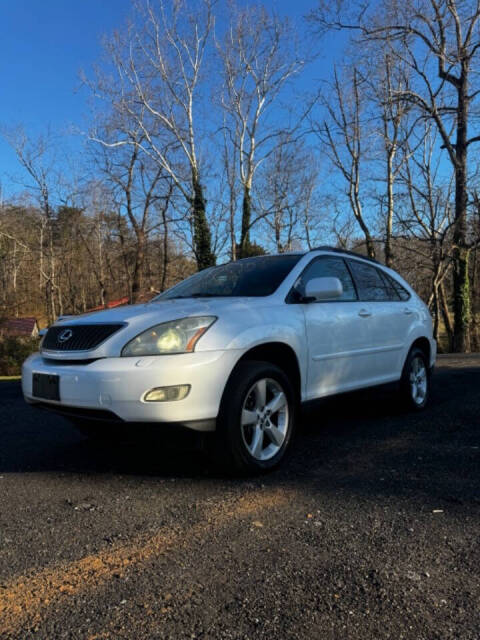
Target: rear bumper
(112,389)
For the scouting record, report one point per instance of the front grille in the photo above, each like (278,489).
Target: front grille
(57,362)
(77,337)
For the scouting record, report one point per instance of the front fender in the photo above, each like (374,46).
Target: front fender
(293,337)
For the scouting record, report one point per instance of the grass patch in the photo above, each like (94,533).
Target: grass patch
(6,378)
(13,352)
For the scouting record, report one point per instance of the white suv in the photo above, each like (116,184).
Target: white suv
(237,348)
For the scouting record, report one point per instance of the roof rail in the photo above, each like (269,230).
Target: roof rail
(350,253)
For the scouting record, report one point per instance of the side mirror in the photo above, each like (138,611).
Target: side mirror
(323,289)
(42,332)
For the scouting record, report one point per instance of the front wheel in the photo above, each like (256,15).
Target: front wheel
(415,381)
(257,418)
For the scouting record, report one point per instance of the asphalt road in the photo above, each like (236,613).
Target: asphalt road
(369,531)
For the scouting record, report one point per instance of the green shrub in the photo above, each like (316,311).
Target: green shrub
(13,351)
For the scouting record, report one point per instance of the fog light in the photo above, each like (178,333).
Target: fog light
(167,394)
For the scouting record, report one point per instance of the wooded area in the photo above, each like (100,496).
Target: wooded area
(207,144)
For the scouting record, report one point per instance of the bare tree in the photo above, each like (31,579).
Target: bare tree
(36,157)
(439,41)
(139,187)
(428,219)
(230,173)
(157,74)
(344,134)
(394,133)
(287,195)
(259,57)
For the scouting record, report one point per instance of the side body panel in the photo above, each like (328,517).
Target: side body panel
(339,350)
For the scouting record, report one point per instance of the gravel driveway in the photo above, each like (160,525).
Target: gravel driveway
(370,531)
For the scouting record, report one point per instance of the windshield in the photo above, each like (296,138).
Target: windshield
(259,276)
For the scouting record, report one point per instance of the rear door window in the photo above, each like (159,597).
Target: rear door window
(370,284)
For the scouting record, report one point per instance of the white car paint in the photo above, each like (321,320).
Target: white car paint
(340,346)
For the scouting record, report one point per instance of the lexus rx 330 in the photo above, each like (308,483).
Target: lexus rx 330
(236,349)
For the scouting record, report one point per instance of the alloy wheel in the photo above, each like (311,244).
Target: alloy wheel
(264,419)
(418,380)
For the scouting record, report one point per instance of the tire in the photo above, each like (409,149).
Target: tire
(256,422)
(415,381)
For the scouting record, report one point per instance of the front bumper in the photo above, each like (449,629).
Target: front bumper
(116,386)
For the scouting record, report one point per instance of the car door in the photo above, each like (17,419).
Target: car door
(385,320)
(336,334)
(405,315)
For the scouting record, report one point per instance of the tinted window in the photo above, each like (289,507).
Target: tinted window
(370,284)
(391,290)
(329,268)
(402,293)
(249,277)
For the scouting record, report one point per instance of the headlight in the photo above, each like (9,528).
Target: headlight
(177,336)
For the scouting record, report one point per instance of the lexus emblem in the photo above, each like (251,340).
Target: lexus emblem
(65,335)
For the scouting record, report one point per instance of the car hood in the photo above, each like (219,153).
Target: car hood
(140,317)
(162,311)
(241,323)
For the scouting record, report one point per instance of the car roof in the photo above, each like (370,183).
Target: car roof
(347,252)
(323,248)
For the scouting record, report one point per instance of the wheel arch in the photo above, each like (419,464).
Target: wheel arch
(422,343)
(280,354)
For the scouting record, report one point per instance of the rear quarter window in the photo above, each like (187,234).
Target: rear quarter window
(376,285)
(400,290)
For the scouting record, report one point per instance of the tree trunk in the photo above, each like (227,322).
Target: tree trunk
(461,305)
(461,283)
(370,245)
(52,311)
(446,315)
(434,299)
(277,225)
(165,253)
(388,230)
(101,274)
(202,239)
(233,241)
(357,212)
(137,279)
(436,311)
(474,327)
(246,221)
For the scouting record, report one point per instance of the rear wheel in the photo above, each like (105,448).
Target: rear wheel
(257,418)
(415,381)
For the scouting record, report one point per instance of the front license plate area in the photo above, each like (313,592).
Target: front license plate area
(46,386)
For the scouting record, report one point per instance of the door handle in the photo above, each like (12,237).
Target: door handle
(364,313)
(407,311)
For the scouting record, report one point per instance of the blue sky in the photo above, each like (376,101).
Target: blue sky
(43,46)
